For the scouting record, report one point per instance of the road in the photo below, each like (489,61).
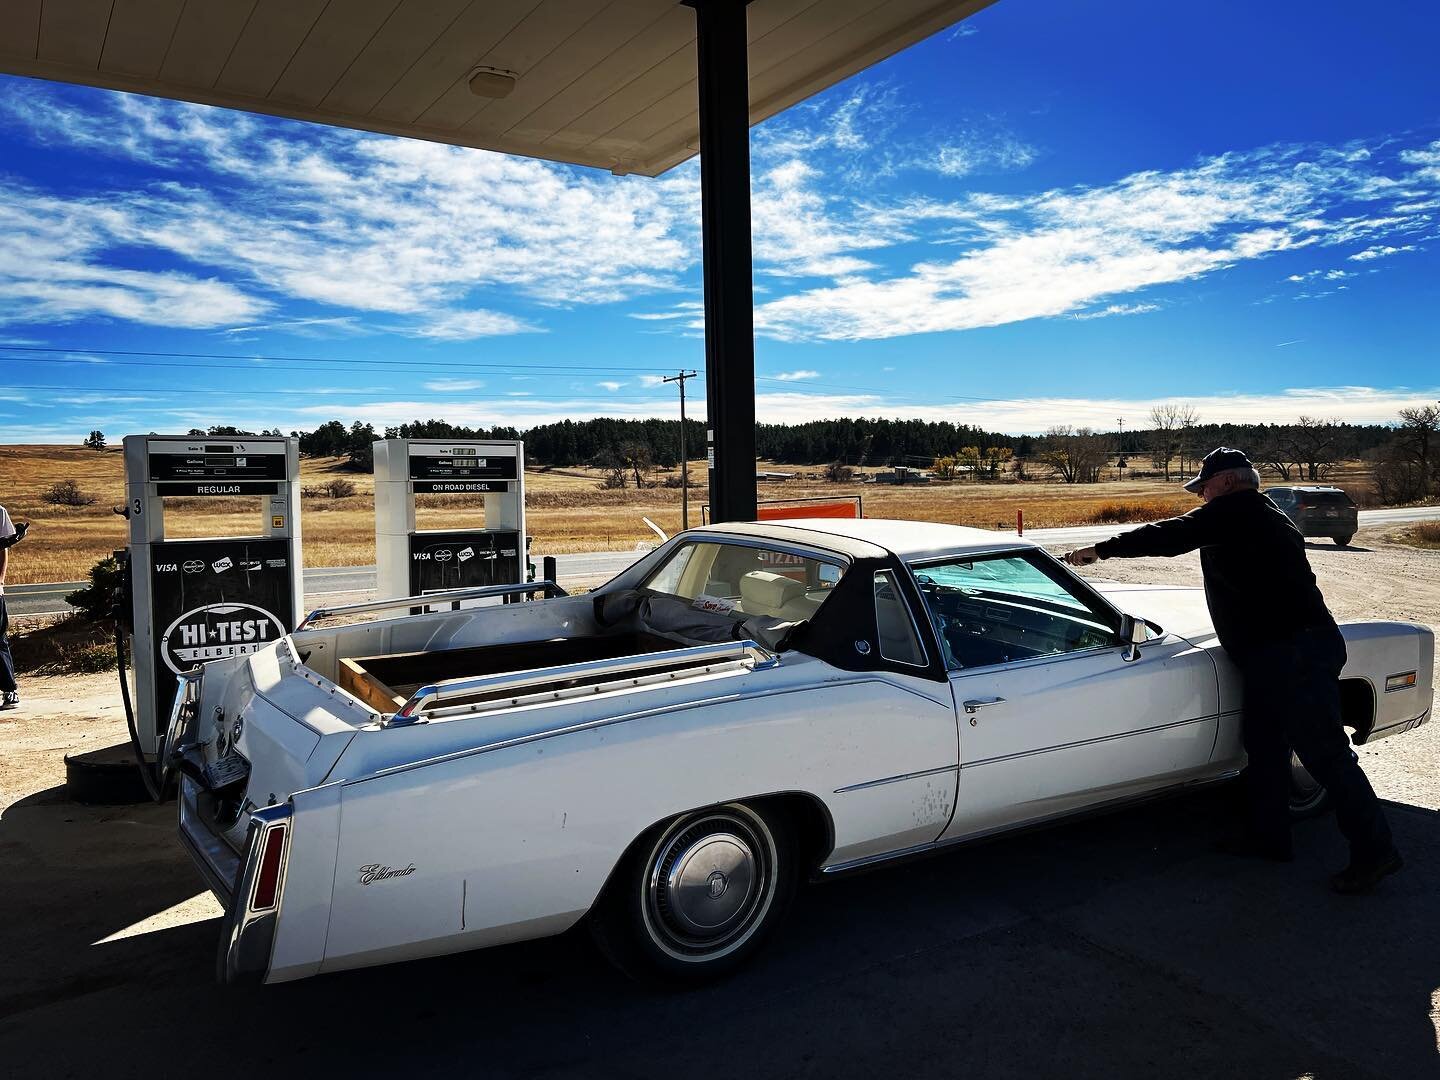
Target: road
(589,568)
(581,567)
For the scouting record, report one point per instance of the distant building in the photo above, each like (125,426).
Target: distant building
(901,474)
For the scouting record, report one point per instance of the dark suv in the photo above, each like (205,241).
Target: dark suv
(1318,511)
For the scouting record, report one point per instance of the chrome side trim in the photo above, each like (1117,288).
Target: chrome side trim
(939,846)
(896,779)
(1088,742)
(640,714)
(1022,753)
(549,588)
(740,653)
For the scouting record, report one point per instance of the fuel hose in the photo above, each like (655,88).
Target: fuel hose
(153,785)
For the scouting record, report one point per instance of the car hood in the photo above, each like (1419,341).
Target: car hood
(1178,609)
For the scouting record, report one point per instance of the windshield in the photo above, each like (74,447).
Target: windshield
(741,580)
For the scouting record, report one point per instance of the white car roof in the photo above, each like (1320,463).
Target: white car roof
(912,541)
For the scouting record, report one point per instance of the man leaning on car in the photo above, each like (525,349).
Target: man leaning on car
(1273,623)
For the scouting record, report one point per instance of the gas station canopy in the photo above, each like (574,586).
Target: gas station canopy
(606,83)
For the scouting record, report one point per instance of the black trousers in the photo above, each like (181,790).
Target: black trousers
(1292,701)
(7,663)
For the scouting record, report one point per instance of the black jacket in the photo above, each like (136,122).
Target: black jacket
(1258,582)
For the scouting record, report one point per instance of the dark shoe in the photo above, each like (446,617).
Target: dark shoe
(10,699)
(1361,877)
(1249,846)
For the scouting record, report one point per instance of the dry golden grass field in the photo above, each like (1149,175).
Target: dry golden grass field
(566,509)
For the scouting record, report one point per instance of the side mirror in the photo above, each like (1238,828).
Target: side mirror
(1133,633)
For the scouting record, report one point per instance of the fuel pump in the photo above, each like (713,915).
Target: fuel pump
(412,562)
(196,600)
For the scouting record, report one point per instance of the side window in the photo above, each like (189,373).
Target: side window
(1002,608)
(894,626)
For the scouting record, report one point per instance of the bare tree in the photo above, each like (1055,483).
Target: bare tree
(1164,442)
(1171,425)
(1315,445)
(636,457)
(1419,436)
(1075,454)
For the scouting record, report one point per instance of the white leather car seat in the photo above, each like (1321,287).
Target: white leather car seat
(766,593)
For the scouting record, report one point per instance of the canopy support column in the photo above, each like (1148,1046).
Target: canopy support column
(721,45)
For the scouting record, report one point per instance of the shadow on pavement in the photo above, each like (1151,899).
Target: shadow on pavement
(1112,947)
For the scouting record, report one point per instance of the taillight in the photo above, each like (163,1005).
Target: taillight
(267,876)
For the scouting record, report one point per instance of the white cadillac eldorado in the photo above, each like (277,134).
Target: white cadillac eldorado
(666,758)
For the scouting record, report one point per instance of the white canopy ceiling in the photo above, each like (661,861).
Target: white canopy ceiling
(608,83)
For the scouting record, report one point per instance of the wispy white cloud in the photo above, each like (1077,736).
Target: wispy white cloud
(795,376)
(468,325)
(977,152)
(609,384)
(1380,251)
(349,220)
(1116,309)
(1058,251)
(454,385)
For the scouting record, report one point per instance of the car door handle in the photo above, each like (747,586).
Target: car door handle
(974,705)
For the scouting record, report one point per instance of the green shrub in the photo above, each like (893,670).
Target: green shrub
(96,602)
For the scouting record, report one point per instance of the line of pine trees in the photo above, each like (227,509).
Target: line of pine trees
(604,441)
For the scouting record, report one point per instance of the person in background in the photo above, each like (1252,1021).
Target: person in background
(1272,621)
(10,535)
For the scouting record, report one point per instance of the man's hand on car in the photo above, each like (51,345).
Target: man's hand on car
(1082,556)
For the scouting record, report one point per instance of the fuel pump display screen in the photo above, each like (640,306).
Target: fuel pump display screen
(214,599)
(463,560)
(210,464)
(461,466)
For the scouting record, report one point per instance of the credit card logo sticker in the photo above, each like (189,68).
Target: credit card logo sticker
(221,565)
(466,554)
(194,566)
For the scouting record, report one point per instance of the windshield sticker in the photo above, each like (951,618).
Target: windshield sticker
(717,604)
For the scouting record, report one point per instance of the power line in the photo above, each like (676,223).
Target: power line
(250,357)
(309,392)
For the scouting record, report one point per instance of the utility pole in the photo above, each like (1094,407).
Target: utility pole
(680,377)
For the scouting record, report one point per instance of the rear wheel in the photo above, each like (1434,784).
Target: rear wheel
(695,898)
(1344,541)
(1308,796)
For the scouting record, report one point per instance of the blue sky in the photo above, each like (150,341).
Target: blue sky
(1055,213)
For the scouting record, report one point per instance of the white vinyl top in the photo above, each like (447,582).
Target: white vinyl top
(608,83)
(912,541)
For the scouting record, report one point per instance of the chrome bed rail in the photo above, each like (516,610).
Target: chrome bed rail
(631,671)
(479,592)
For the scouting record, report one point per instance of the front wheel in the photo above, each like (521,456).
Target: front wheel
(695,898)
(1344,541)
(1308,797)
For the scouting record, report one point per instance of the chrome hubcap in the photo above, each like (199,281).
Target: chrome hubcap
(1305,790)
(710,882)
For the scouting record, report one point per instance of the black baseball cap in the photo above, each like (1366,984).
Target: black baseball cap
(1217,461)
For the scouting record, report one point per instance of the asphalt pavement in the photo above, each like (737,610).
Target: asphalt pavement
(591,568)
(1115,947)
